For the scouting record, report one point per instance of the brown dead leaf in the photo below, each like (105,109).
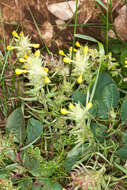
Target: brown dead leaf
(120,23)
(63,10)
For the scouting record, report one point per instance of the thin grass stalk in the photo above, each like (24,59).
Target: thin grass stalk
(107,27)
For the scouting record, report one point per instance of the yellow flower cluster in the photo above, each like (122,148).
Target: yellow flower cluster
(32,63)
(72,108)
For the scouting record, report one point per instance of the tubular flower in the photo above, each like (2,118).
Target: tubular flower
(70,49)
(67,60)
(77,44)
(89,105)
(85,50)
(71,106)
(20,71)
(14,33)
(37,53)
(79,80)
(64,111)
(61,52)
(10,48)
(47,80)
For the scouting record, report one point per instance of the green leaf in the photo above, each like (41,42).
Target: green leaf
(75,155)
(34,130)
(102,110)
(85,37)
(110,96)
(124,112)
(102,4)
(124,137)
(30,161)
(122,152)
(103,80)
(16,125)
(25,184)
(79,97)
(99,131)
(48,184)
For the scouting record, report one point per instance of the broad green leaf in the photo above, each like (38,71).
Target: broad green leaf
(34,130)
(124,137)
(75,155)
(124,112)
(48,184)
(16,125)
(102,110)
(79,97)
(99,131)
(25,184)
(30,161)
(122,152)
(103,80)
(110,96)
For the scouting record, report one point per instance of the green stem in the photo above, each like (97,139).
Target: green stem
(107,27)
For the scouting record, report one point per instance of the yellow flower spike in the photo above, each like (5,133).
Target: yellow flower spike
(22,60)
(47,80)
(85,49)
(71,106)
(79,80)
(21,34)
(70,49)
(37,53)
(125,62)
(66,60)
(10,48)
(20,71)
(36,45)
(89,105)
(46,69)
(61,52)
(77,44)
(14,33)
(64,111)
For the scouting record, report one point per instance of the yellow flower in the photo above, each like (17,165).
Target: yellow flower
(77,44)
(64,111)
(125,62)
(20,71)
(36,45)
(47,80)
(89,105)
(22,60)
(85,49)
(37,53)
(71,106)
(70,49)
(46,69)
(14,33)
(61,52)
(25,56)
(21,34)
(67,60)
(79,80)
(10,47)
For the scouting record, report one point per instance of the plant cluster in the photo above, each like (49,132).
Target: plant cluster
(68,130)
